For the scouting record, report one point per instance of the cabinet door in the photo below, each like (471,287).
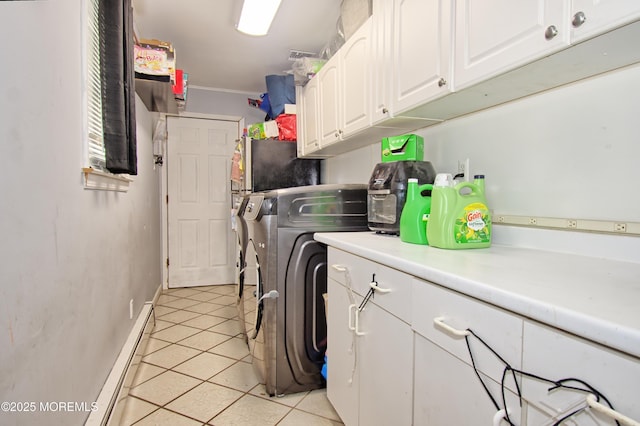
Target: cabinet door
(556,355)
(592,17)
(342,375)
(448,392)
(355,68)
(329,88)
(308,130)
(495,36)
(381,48)
(385,364)
(421,52)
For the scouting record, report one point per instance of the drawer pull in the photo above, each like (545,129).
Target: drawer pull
(593,403)
(352,307)
(339,268)
(499,416)
(357,329)
(439,322)
(374,286)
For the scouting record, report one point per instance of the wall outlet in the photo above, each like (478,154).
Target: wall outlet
(533,221)
(572,223)
(463,168)
(620,227)
(131,309)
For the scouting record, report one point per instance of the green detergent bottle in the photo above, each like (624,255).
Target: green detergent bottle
(416,209)
(460,218)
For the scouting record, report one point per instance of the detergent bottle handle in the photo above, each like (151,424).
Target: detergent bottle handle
(425,187)
(474,188)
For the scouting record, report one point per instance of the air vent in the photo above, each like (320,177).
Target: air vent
(299,54)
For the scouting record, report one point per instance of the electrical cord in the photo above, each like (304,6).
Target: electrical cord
(557,384)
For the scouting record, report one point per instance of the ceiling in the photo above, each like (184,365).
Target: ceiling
(217,56)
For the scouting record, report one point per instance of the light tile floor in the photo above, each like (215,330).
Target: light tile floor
(197,371)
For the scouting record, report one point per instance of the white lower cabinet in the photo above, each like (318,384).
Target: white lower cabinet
(448,392)
(409,358)
(343,386)
(444,373)
(370,353)
(555,355)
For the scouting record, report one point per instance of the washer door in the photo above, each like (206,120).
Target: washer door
(305,322)
(254,327)
(239,280)
(240,268)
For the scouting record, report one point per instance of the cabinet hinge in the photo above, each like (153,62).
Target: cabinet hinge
(167,262)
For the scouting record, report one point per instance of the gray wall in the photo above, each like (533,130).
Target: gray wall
(571,152)
(71,258)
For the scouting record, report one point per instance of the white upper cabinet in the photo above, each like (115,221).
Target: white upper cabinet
(421,52)
(589,18)
(356,74)
(415,63)
(329,89)
(494,36)
(381,47)
(308,118)
(345,89)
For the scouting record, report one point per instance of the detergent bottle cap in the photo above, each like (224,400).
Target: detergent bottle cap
(413,180)
(443,179)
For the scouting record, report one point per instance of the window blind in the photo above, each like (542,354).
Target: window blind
(110,87)
(94,90)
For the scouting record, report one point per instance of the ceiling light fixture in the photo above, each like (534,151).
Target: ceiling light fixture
(257,15)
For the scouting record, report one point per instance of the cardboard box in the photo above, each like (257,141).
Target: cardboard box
(155,58)
(403,148)
(354,13)
(265,130)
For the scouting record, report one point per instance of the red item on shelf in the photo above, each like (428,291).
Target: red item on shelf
(287,130)
(178,88)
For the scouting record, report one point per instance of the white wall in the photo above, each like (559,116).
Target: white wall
(570,152)
(71,258)
(205,101)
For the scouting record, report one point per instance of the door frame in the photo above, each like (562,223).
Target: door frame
(164,179)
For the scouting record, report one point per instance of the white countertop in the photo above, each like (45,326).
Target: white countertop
(598,299)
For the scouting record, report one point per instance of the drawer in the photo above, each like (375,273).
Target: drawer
(498,328)
(356,272)
(614,374)
(350,270)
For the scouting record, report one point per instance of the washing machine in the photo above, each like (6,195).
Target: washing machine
(284,313)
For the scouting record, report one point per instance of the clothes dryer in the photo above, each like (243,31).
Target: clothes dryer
(284,313)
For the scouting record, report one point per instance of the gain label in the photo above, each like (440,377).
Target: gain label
(473,225)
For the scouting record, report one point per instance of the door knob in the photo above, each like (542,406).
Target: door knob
(578,19)
(442,82)
(551,32)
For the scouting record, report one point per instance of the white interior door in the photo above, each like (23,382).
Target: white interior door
(200,240)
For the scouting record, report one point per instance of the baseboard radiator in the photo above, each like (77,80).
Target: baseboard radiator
(113,396)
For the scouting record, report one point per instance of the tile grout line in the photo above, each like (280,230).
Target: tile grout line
(236,361)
